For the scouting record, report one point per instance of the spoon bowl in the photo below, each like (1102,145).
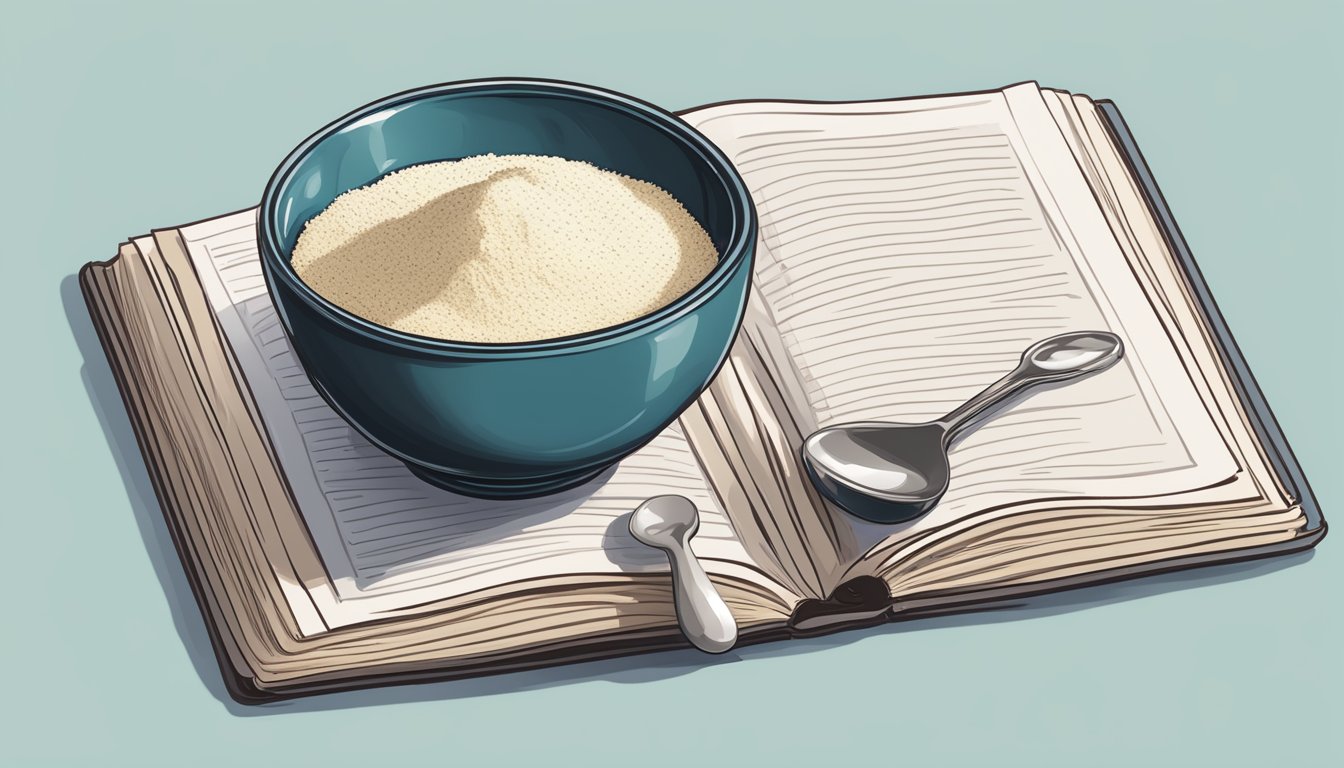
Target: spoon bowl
(665,521)
(857,466)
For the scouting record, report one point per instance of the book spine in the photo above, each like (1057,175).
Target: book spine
(861,601)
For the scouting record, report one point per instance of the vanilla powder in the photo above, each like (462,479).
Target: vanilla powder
(503,248)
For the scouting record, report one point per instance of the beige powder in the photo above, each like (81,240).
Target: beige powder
(503,248)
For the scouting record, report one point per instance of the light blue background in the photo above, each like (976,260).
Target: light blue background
(116,120)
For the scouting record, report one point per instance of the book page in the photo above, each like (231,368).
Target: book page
(1141,239)
(910,251)
(389,540)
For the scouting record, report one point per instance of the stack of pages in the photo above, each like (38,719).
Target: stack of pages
(910,250)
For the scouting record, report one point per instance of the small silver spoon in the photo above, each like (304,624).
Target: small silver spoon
(668,523)
(890,473)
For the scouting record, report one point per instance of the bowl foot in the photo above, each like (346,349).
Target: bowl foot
(489,488)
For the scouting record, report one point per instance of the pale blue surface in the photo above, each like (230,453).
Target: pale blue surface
(115,121)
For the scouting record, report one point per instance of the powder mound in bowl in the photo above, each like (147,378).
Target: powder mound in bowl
(503,248)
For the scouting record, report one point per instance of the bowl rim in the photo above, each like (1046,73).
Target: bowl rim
(741,237)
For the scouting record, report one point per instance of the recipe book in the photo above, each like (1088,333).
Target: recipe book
(909,251)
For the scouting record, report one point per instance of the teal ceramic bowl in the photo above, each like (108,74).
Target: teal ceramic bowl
(522,419)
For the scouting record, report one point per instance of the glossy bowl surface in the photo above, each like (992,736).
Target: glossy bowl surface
(517,419)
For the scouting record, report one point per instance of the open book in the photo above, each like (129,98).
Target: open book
(909,251)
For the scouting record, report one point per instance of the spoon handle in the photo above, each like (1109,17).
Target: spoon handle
(701,611)
(1058,358)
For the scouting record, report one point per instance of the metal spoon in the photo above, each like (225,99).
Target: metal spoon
(890,473)
(668,523)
